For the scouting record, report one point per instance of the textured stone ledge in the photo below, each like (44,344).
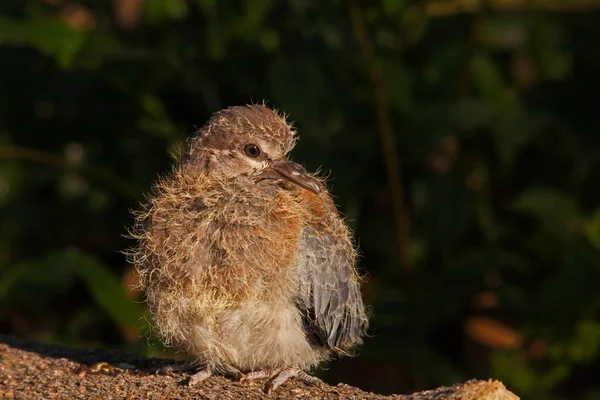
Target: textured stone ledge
(30,370)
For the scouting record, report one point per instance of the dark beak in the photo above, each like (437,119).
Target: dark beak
(297,174)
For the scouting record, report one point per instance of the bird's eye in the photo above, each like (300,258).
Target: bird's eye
(252,150)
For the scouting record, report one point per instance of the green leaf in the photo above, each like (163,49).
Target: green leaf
(208,7)
(269,39)
(513,129)
(393,7)
(255,12)
(159,10)
(414,22)
(548,45)
(592,229)
(487,77)
(47,276)
(106,289)
(552,208)
(508,367)
(47,35)
(55,272)
(586,344)
(156,120)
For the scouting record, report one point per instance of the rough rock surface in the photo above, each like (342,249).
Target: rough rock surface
(30,370)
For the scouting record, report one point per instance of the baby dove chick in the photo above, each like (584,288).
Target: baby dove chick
(243,257)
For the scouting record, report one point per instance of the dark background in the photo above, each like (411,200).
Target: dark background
(462,143)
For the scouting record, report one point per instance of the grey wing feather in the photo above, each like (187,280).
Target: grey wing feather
(330,298)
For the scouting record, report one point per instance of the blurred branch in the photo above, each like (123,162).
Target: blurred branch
(57,162)
(443,8)
(386,134)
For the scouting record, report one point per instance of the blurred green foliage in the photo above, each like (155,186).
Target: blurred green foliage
(494,118)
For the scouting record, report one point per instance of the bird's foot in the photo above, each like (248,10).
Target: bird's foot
(279,376)
(200,372)
(173,368)
(199,376)
(205,372)
(262,373)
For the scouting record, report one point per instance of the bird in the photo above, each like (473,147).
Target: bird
(244,259)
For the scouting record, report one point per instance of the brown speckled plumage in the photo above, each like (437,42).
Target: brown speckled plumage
(245,261)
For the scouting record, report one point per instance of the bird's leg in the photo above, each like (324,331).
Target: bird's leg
(279,376)
(205,372)
(173,368)
(263,373)
(232,372)
(288,373)
(200,376)
(201,372)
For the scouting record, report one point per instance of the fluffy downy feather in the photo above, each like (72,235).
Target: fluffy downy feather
(241,266)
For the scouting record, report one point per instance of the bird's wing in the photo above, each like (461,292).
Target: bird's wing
(330,298)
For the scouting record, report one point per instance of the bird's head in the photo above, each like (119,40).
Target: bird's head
(251,142)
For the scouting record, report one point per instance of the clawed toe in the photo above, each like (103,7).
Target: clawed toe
(308,379)
(173,368)
(200,372)
(264,373)
(206,372)
(280,376)
(277,377)
(286,374)
(199,376)
(232,372)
